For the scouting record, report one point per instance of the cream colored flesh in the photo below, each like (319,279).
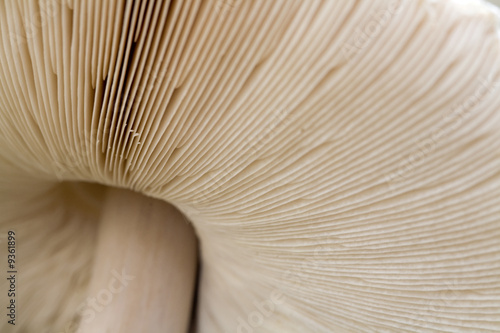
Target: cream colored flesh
(339,161)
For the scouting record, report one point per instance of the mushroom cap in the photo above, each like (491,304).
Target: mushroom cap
(339,160)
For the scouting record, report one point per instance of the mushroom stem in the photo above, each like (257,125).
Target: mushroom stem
(144,270)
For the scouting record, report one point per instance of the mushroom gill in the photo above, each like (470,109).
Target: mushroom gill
(338,160)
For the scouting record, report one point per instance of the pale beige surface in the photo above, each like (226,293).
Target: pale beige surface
(145,265)
(344,154)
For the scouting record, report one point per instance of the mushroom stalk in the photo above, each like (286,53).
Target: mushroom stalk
(145,269)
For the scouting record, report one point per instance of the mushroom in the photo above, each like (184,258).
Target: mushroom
(330,166)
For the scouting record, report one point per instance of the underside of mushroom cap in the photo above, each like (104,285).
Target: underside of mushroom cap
(339,160)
